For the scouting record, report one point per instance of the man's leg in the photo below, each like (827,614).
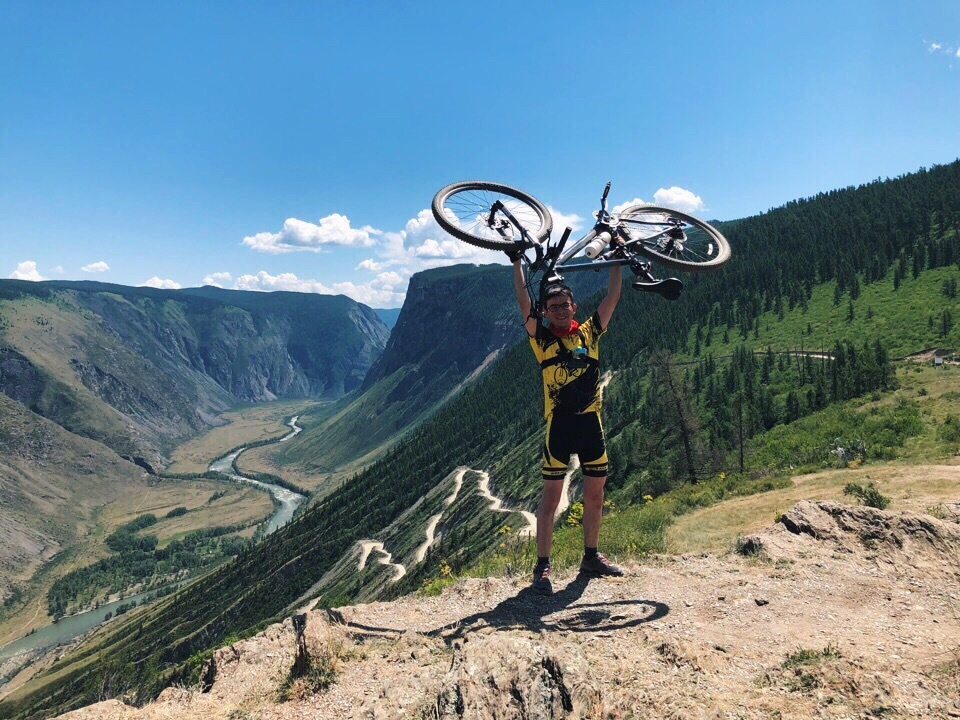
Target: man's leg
(549,500)
(594,563)
(592,509)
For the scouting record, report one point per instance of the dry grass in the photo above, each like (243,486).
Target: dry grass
(261,422)
(240,505)
(911,487)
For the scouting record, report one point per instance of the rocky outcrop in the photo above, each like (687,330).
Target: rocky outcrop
(907,543)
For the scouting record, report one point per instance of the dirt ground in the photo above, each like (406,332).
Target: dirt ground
(836,611)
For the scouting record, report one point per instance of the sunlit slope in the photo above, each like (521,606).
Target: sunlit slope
(41,515)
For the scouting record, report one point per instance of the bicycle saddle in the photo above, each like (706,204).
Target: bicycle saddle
(669,288)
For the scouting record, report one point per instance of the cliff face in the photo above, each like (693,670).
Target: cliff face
(139,368)
(451,320)
(454,317)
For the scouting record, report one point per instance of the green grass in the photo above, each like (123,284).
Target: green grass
(899,318)
(804,656)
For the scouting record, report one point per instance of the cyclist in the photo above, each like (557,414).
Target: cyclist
(568,355)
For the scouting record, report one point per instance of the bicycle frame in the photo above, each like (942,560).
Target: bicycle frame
(621,252)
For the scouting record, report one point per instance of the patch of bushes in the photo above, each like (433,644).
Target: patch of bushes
(949,431)
(868,495)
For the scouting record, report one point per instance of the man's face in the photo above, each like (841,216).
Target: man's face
(560,311)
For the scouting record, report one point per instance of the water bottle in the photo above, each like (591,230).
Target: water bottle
(597,245)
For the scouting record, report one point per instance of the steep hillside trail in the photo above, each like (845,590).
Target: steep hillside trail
(366,546)
(483,488)
(496,504)
(839,612)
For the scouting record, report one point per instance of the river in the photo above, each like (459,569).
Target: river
(289,500)
(70,627)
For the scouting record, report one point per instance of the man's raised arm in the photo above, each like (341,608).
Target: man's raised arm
(605,311)
(519,284)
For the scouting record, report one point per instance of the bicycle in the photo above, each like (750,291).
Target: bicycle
(498,217)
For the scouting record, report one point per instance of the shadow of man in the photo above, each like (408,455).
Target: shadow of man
(561,611)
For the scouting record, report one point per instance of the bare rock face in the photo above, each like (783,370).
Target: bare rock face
(909,543)
(505,677)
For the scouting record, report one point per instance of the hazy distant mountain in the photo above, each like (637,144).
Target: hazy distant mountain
(388,316)
(139,369)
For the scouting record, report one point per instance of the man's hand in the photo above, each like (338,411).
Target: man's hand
(515,255)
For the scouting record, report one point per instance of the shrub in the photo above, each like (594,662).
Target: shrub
(177,512)
(867,494)
(950,429)
(748,547)
(803,656)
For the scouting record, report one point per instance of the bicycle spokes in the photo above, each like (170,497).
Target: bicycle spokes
(491,215)
(670,236)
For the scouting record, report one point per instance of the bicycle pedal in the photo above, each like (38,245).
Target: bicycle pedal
(669,288)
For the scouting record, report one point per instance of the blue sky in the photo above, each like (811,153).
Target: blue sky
(296,145)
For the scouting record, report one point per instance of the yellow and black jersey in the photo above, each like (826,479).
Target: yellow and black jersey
(570,366)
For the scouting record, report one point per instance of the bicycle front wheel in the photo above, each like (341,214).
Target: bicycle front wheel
(491,215)
(675,239)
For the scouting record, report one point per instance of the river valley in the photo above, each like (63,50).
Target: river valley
(72,626)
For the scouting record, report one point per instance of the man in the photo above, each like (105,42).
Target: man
(568,356)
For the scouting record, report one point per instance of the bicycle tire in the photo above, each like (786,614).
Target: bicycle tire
(704,248)
(462,209)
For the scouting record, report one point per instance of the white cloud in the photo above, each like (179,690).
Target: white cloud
(156,282)
(623,206)
(300,235)
(217,279)
(678,199)
(371,265)
(265,282)
(561,221)
(58,270)
(420,245)
(941,49)
(27,270)
(386,290)
(96,267)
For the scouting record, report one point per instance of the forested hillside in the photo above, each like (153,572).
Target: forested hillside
(678,410)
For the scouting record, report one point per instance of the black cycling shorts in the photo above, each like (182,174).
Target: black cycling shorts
(580,435)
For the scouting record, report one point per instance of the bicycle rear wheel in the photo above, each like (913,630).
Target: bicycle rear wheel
(467,211)
(675,239)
